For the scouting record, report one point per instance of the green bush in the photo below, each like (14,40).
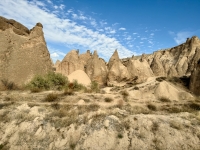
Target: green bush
(49,81)
(94,87)
(76,86)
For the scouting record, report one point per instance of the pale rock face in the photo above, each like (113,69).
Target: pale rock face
(157,66)
(140,70)
(176,61)
(80,76)
(96,69)
(168,90)
(57,63)
(72,62)
(117,71)
(22,52)
(195,76)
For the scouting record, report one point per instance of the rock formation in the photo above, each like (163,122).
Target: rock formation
(96,69)
(195,76)
(72,62)
(22,52)
(117,71)
(176,61)
(139,70)
(80,76)
(56,64)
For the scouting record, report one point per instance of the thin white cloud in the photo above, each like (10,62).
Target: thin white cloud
(56,54)
(128,38)
(62,6)
(180,37)
(152,34)
(49,1)
(123,29)
(60,30)
(55,6)
(135,33)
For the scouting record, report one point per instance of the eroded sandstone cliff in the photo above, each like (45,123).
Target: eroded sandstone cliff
(22,51)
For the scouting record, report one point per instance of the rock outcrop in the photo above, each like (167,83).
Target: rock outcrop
(117,72)
(22,52)
(96,69)
(72,62)
(139,70)
(80,76)
(169,91)
(195,76)
(176,61)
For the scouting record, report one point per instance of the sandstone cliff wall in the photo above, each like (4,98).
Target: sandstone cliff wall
(23,52)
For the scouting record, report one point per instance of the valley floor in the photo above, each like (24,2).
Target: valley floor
(116,118)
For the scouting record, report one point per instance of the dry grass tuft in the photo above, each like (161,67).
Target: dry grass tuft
(152,107)
(164,99)
(51,97)
(155,126)
(108,99)
(68,91)
(35,90)
(93,107)
(124,93)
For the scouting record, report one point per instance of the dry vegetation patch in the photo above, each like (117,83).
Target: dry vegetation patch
(108,99)
(52,97)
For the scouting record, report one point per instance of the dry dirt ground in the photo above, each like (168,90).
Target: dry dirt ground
(134,117)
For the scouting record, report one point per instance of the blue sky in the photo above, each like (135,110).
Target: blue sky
(132,27)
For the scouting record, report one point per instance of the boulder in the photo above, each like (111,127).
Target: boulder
(80,76)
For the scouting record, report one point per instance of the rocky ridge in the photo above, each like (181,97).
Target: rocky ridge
(173,62)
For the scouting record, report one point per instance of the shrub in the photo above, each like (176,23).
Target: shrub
(93,107)
(108,99)
(95,87)
(151,107)
(56,80)
(195,106)
(49,81)
(8,85)
(136,88)
(164,99)
(35,90)
(160,79)
(155,126)
(51,97)
(124,93)
(76,86)
(68,91)
(120,136)
(55,106)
